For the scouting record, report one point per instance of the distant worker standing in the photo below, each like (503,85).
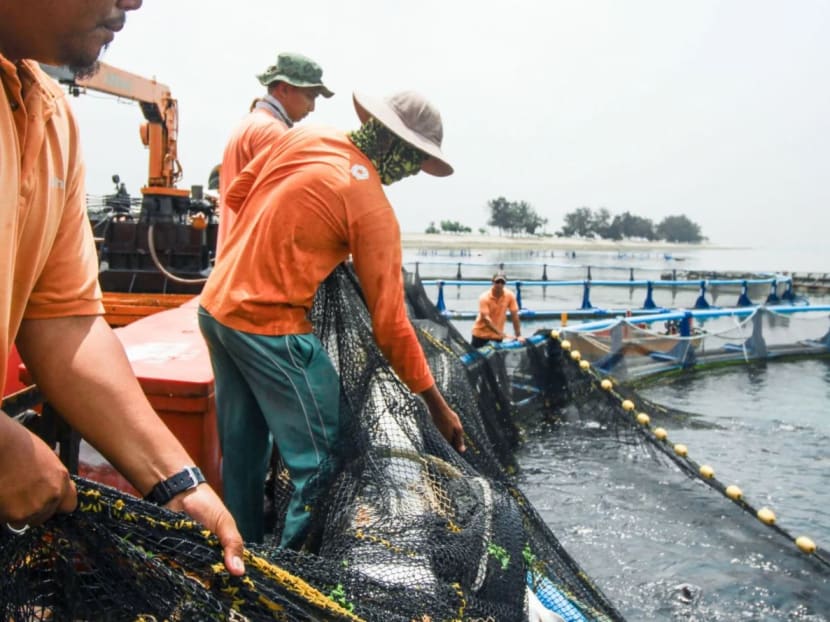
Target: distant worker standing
(492,313)
(293,84)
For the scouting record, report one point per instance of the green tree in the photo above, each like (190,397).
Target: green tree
(514,216)
(432,228)
(453,226)
(500,214)
(627,225)
(527,219)
(679,229)
(601,222)
(578,222)
(615,229)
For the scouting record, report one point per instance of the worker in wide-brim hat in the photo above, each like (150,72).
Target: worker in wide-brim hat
(305,205)
(292,85)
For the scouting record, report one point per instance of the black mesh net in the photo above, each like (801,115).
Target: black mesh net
(404,527)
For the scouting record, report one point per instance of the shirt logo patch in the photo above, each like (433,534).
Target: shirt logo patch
(57,182)
(360,172)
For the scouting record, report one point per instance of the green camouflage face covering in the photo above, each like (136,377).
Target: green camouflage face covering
(392,158)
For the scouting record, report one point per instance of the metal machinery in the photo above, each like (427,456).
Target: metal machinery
(168,246)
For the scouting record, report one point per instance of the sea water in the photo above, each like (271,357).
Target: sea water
(663,546)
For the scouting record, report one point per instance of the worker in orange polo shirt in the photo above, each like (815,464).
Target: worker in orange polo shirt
(50,300)
(492,313)
(302,207)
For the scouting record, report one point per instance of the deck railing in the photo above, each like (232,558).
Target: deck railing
(587,309)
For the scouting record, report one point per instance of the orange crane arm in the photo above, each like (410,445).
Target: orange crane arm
(160,132)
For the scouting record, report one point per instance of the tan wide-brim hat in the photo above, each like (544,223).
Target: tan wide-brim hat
(414,120)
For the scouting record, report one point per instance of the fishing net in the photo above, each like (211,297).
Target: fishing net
(403,528)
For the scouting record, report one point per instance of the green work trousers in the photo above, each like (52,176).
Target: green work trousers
(281,389)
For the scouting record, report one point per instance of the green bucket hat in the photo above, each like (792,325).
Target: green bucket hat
(297,70)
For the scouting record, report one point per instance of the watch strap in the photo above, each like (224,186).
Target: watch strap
(189,477)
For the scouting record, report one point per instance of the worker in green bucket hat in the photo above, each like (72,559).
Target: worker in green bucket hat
(293,84)
(296,70)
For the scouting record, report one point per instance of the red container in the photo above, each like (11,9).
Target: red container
(171,361)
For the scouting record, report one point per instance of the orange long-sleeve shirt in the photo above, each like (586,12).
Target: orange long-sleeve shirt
(302,207)
(255,133)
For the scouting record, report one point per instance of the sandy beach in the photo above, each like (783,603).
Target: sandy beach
(494,242)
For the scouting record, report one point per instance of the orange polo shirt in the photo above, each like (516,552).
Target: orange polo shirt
(48,263)
(496,309)
(257,131)
(303,206)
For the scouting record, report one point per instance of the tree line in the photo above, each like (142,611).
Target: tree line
(586,222)
(517,217)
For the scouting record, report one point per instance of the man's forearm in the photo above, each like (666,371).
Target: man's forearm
(83,371)
(489,324)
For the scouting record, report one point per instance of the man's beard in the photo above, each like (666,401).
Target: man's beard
(85,71)
(81,68)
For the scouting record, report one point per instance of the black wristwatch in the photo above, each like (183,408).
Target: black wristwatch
(189,477)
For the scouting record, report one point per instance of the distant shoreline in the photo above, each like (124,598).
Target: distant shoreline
(496,242)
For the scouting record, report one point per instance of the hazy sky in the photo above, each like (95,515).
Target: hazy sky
(717,109)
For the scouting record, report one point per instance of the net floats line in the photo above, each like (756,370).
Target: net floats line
(679,454)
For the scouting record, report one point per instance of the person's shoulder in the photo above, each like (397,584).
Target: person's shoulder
(62,117)
(348,166)
(262,118)
(326,141)
(45,81)
(319,155)
(257,123)
(52,90)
